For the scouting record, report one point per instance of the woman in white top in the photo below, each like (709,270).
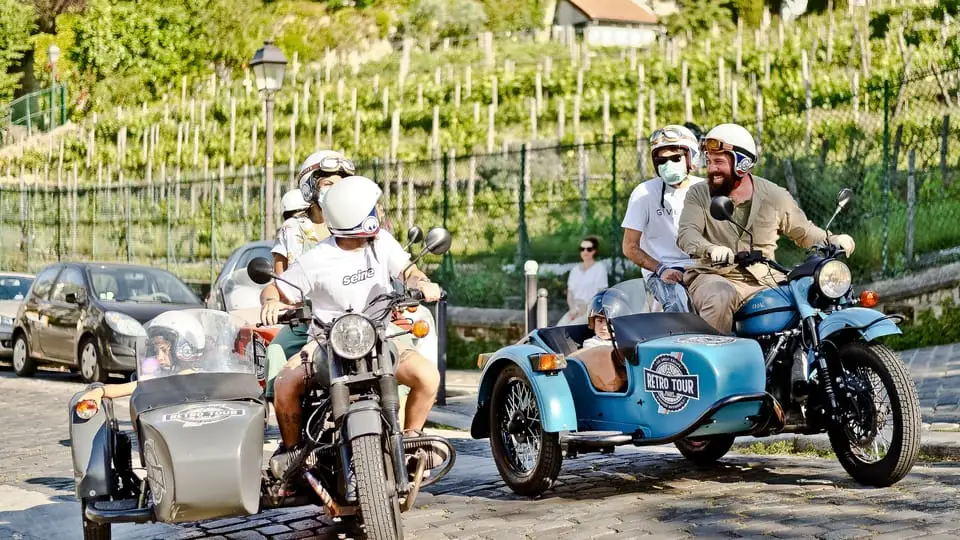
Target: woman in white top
(586,279)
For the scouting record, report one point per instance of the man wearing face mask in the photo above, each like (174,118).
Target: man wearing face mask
(653,214)
(717,286)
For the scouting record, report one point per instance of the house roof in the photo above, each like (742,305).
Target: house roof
(615,10)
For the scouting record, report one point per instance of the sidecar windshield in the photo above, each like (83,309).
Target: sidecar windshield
(626,298)
(191,341)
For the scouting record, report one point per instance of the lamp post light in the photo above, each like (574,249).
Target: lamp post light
(268,66)
(53,53)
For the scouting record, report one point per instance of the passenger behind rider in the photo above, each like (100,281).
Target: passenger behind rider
(653,214)
(342,273)
(175,342)
(300,233)
(717,286)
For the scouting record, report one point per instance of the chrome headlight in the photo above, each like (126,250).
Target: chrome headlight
(6,321)
(353,336)
(124,324)
(833,279)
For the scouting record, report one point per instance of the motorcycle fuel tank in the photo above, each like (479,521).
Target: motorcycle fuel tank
(203,460)
(767,312)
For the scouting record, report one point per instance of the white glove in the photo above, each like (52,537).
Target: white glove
(720,254)
(844,242)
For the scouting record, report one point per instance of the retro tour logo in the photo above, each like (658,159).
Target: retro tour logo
(671,383)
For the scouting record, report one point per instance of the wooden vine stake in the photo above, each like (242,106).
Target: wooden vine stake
(911,205)
(356,132)
(293,151)
(653,109)
(533,119)
(721,71)
(734,100)
(606,116)
(233,125)
(435,137)
(808,101)
(539,90)
(471,185)
(856,96)
(468,81)
(561,118)
(687,105)
(576,117)
(394,135)
(491,127)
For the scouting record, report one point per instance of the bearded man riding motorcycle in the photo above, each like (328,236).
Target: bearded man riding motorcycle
(717,287)
(342,273)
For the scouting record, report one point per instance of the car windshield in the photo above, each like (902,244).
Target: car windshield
(14,287)
(143,285)
(191,341)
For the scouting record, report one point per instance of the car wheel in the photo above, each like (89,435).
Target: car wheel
(91,369)
(23,365)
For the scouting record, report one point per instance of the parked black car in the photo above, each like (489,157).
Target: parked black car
(89,316)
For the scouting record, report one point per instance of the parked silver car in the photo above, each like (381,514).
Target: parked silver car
(13,289)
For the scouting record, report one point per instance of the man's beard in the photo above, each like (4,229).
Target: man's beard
(729,181)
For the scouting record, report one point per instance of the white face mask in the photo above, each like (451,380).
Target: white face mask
(673,172)
(322,194)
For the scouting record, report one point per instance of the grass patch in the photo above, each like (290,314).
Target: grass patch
(794,446)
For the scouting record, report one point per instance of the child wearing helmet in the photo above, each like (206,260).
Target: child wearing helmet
(717,286)
(343,273)
(653,214)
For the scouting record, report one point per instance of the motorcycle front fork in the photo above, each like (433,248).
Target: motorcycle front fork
(831,387)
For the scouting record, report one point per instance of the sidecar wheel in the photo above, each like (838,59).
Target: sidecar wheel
(91,530)
(705,451)
(879,441)
(528,458)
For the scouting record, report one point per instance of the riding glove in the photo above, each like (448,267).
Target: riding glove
(844,242)
(720,254)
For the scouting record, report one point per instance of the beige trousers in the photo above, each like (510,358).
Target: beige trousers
(717,298)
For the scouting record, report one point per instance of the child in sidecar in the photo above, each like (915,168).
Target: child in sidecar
(606,370)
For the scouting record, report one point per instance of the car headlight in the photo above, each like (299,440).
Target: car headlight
(833,279)
(124,324)
(353,336)
(6,321)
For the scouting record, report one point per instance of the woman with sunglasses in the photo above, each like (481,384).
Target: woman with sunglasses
(653,215)
(299,234)
(586,279)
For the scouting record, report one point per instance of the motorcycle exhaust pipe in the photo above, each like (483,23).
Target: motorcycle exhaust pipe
(331,505)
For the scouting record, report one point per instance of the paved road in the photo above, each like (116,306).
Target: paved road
(632,493)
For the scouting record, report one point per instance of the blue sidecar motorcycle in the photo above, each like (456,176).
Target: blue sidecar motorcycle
(803,361)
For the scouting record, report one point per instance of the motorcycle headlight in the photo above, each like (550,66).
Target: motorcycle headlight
(833,279)
(353,336)
(124,324)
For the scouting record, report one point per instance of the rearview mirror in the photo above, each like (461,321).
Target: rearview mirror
(438,241)
(721,208)
(414,235)
(845,197)
(260,271)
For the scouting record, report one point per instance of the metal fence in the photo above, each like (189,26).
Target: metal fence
(35,112)
(894,144)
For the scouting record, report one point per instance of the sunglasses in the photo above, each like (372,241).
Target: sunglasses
(586,248)
(660,160)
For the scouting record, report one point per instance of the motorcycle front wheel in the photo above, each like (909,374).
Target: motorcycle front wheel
(379,502)
(878,440)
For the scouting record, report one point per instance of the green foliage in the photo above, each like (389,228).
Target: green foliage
(462,354)
(699,16)
(445,18)
(16,25)
(929,330)
(751,11)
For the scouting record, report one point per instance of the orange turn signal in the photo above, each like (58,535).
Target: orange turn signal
(421,329)
(87,408)
(869,298)
(482,359)
(411,309)
(548,362)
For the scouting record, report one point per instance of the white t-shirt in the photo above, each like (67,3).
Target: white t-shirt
(658,222)
(337,280)
(586,283)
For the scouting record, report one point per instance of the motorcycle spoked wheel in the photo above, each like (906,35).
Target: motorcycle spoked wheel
(379,505)
(528,458)
(705,451)
(879,440)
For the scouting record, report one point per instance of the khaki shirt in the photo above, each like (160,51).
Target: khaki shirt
(773,212)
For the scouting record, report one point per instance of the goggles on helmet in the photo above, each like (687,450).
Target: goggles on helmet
(667,135)
(310,178)
(716,145)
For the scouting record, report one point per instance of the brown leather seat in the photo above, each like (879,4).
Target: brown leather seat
(604,367)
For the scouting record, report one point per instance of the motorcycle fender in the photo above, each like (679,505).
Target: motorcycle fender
(551,390)
(90,449)
(869,322)
(363,418)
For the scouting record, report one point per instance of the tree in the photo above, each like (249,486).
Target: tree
(699,16)
(16,25)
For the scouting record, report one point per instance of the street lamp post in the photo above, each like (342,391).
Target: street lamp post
(268,65)
(53,53)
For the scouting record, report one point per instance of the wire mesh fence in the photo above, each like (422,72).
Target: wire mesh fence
(893,144)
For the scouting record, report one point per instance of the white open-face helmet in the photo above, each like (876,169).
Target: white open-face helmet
(350,208)
(318,165)
(293,201)
(183,332)
(675,136)
(736,141)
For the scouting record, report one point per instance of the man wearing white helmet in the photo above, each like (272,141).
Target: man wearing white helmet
(717,286)
(342,273)
(653,214)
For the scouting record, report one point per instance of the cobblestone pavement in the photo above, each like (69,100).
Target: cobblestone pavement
(632,493)
(936,372)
